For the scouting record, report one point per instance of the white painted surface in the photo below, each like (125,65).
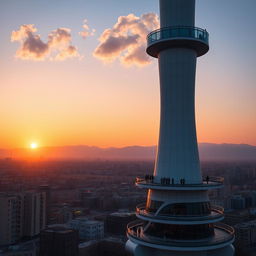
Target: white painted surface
(177,155)
(178,196)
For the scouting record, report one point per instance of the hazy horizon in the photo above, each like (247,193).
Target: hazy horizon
(207,151)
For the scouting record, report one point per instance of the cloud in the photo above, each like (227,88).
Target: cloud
(69,52)
(57,47)
(126,40)
(59,37)
(86,30)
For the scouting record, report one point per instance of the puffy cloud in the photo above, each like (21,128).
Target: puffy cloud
(68,52)
(136,56)
(114,46)
(32,46)
(126,40)
(86,30)
(58,46)
(59,37)
(23,32)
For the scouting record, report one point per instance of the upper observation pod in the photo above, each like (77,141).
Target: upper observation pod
(178,37)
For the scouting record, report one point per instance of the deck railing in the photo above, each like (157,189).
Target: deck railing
(178,32)
(216,211)
(206,181)
(135,230)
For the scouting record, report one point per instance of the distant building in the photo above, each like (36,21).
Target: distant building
(34,213)
(238,216)
(116,222)
(21,214)
(11,218)
(88,229)
(29,248)
(47,190)
(57,240)
(224,202)
(85,196)
(89,248)
(107,247)
(246,234)
(238,202)
(64,215)
(111,246)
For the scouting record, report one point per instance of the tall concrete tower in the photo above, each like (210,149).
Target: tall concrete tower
(178,218)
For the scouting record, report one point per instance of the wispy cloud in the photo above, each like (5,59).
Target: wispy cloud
(57,47)
(86,30)
(126,40)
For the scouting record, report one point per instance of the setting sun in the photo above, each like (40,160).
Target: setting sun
(33,145)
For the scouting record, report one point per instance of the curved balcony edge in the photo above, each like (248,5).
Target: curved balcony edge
(180,36)
(215,216)
(174,245)
(212,183)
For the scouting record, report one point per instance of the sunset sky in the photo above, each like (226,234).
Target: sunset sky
(64,81)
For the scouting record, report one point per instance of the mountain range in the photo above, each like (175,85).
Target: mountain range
(208,151)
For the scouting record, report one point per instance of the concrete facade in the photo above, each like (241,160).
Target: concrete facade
(34,213)
(11,218)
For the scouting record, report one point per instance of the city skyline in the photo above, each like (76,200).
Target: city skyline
(66,101)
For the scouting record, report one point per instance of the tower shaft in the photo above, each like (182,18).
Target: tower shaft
(177,154)
(178,218)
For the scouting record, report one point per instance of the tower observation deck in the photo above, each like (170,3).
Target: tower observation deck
(178,218)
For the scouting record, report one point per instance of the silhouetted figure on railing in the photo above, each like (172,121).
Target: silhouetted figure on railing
(207,179)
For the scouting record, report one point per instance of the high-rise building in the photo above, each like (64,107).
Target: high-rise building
(116,222)
(88,229)
(58,240)
(237,202)
(245,234)
(178,218)
(64,214)
(47,190)
(21,214)
(11,218)
(34,212)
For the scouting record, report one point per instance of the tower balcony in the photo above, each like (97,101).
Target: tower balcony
(215,215)
(178,37)
(211,183)
(222,237)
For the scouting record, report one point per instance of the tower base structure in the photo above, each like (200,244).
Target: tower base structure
(139,250)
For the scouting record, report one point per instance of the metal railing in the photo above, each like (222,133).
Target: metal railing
(206,181)
(135,229)
(216,211)
(216,179)
(178,32)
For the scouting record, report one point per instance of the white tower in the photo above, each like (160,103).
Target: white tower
(178,218)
